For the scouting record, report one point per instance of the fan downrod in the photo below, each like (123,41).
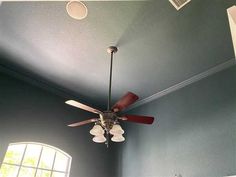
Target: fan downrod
(112,49)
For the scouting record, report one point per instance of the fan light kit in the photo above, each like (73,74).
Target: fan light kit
(108,121)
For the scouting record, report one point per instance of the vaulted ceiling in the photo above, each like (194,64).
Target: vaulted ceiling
(158,46)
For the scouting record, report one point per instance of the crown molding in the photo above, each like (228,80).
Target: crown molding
(184,83)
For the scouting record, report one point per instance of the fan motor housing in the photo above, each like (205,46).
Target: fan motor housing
(107,119)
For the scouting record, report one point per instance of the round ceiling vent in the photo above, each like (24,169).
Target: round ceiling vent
(76,10)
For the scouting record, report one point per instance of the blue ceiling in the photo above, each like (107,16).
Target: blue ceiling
(158,46)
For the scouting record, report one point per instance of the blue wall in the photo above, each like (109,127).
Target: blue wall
(194,134)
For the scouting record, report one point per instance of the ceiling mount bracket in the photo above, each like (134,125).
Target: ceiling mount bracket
(112,49)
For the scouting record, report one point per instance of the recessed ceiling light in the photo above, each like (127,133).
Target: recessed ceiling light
(76,10)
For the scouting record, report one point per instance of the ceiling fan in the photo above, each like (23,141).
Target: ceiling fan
(108,121)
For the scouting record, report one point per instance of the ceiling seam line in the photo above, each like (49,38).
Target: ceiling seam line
(40,83)
(193,79)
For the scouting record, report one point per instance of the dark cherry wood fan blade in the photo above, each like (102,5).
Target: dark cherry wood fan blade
(138,119)
(128,99)
(83,122)
(83,106)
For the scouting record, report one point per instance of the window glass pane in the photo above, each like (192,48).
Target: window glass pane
(61,162)
(14,154)
(43,173)
(32,155)
(8,171)
(57,174)
(27,172)
(52,163)
(47,158)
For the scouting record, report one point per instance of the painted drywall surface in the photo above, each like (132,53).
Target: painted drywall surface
(154,38)
(194,134)
(31,114)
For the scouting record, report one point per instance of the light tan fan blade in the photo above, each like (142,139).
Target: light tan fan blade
(83,122)
(83,106)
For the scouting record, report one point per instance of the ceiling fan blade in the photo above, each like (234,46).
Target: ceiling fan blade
(83,122)
(83,106)
(138,119)
(128,99)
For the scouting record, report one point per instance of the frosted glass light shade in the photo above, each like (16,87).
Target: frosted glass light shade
(118,138)
(116,130)
(99,139)
(96,130)
(76,9)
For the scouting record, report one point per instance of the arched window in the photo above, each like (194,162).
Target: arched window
(35,160)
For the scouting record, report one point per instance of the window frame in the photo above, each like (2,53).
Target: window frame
(57,150)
